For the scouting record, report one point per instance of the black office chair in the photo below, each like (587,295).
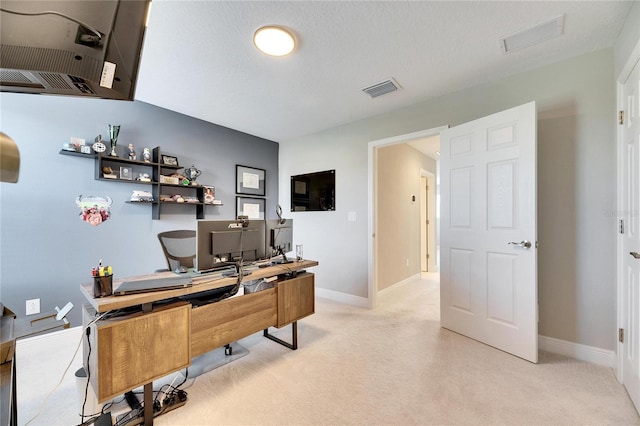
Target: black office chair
(179,248)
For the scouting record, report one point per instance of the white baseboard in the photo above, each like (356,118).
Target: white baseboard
(347,299)
(586,353)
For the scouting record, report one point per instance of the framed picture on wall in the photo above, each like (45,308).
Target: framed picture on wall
(250,181)
(251,207)
(168,160)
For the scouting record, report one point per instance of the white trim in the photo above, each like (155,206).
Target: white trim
(591,354)
(347,299)
(405,281)
(371,208)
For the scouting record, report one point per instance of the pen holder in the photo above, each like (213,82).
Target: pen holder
(103,286)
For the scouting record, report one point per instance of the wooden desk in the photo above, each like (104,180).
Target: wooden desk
(127,352)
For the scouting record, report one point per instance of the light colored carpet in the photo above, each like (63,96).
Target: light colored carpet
(392,365)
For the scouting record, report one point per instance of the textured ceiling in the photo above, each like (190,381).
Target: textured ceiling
(199,57)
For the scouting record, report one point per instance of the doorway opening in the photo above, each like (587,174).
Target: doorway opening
(377,227)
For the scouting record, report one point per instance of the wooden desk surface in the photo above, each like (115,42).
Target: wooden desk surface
(200,282)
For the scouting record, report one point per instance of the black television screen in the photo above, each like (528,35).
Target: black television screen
(313,191)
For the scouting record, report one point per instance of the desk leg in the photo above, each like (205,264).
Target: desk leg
(294,337)
(148,404)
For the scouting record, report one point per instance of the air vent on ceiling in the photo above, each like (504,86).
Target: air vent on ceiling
(382,88)
(525,38)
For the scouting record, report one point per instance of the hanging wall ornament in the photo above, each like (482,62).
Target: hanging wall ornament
(94,210)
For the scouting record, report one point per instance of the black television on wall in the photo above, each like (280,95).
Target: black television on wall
(78,48)
(313,191)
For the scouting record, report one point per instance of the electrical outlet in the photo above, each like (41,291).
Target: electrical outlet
(407,261)
(33,306)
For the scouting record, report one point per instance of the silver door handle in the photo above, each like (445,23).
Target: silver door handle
(635,255)
(524,243)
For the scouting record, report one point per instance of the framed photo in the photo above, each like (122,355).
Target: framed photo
(249,206)
(126,173)
(250,181)
(168,160)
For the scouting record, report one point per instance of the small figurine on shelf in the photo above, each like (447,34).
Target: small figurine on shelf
(146,155)
(132,152)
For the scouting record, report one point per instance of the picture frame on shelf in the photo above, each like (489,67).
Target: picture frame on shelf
(250,180)
(251,207)
(168,160)
(126,173)
(208,194)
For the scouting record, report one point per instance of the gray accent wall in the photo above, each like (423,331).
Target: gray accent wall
(576,189)
(46,251)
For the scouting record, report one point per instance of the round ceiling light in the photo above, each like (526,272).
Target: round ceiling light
(274,41)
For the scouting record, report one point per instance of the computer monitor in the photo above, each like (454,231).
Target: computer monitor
(279,239)
(227,242)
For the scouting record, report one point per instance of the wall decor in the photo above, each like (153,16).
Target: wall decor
(94,209)
(168,160)
(249,206)
(250,181)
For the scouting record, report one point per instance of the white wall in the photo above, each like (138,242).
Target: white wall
(629,38)
(576,148)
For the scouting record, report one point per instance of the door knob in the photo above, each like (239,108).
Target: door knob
(635,255)
(524,243)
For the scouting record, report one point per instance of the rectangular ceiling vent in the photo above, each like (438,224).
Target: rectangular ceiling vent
(534,35)
(382,88)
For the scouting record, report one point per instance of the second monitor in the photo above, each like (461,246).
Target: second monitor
(279,239)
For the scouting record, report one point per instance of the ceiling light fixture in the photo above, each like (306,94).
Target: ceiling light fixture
(274,41)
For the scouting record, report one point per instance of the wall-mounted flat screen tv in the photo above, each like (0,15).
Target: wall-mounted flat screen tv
(76,48)
(313,191)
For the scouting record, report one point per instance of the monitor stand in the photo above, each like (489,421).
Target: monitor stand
(284,257)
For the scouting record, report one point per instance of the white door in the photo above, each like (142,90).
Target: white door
(488,273)
(630,273)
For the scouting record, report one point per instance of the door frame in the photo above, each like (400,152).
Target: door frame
(633,58)
(429,198)
(372,225)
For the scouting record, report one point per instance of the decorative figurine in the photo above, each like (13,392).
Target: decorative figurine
(132,152)
(146,155)
(114,131)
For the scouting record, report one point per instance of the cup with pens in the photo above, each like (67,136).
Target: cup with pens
(102,280)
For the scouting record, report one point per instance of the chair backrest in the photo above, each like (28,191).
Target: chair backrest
(179,248)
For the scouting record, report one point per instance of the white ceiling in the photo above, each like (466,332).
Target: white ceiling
(199,57)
